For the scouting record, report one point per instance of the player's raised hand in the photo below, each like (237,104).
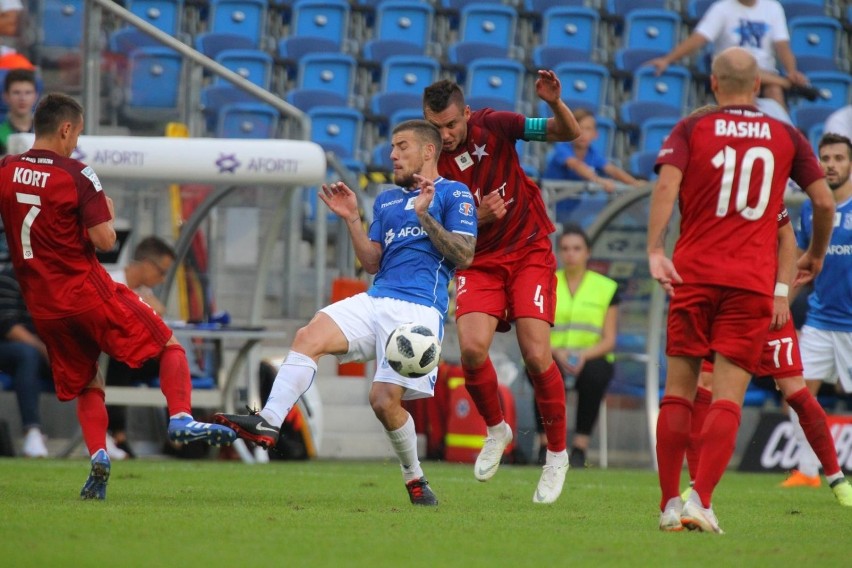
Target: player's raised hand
(663,271)
(340,199)
(491,208)
(547,86)
(427,193)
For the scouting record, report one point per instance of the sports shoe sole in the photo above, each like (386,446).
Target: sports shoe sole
(266,442)
(99,477)
(213,436)
(697,522)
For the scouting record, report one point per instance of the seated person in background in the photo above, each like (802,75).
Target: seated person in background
(19,94)
(152,259)
(583,335)
(840,122)
(758,26)
(24,357)
(10,18)
(579,161)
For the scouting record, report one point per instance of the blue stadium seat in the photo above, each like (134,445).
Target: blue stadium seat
(295,47)
(501,78)
(166,15)
(489,24)
(549,56)
(815,36)
(306,99)
(338,130)
(60,28)
(653,132)
(251,64)
(125,40)
(541,6)
(497,103)
(378,50)
(405,114)
(409,74)
(654,30)
(605,142)
(815,135)
(624,7)
(642,164)
(326,19)
(695,9)
(384,105)
(380,159)
(672,87)
(405,21)
(805,117)
(834,88)
(247,120)
(629,60)
(571,27)
(333,72)
(809,63)
(245,18)
(214,97)
(153,84)
(463,53)
(211,43)
(798,8)
(584,85)
(633,114)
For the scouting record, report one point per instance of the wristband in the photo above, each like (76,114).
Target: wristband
(535,129)
(782,289)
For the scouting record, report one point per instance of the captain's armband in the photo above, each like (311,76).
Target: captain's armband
(535,129)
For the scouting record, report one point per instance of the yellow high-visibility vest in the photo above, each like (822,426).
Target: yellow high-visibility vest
(580,318)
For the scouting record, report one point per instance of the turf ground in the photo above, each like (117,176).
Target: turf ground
(209,513)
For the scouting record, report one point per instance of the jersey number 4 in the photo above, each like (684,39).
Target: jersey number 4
(727,159)
(27,225)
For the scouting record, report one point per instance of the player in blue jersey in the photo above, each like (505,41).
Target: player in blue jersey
(826,337)
(421,232)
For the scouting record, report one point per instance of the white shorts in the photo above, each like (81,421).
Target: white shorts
(367,322)
(827,356)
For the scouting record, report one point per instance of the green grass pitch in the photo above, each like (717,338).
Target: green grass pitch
(328,513)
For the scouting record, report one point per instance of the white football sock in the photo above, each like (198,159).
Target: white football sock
(404,442)
(293,379)
(808,462)
(498,430)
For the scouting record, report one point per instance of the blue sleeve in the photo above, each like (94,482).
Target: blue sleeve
(375,231)
(803,227)
(595,160)
(459,210)
(556,168)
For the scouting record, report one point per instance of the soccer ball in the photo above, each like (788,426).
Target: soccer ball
(412,350)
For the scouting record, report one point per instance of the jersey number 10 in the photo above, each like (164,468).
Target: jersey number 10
(727,159)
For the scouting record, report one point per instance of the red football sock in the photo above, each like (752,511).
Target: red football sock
(812,420)
(549,389)
(700,407)
(673,427)
(174,379)
(481,383)
(92,415)
(718,438)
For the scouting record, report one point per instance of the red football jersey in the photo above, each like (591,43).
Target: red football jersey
(47,202)
(487,161)
(735,164)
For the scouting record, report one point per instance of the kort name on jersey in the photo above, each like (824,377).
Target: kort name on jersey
(736,129)
(26,176)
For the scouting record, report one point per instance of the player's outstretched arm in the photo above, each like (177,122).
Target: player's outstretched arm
(563,126)
(786,264)
(343,202)
(810,263)
(457,248)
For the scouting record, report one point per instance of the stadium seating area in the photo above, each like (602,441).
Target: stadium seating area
(365,62)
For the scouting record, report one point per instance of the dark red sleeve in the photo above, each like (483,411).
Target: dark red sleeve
(806,168)
(675,150)
(94,209)
(504,123)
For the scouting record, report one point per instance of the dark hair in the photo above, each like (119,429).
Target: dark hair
(574,229)
(153,248)
(439,95)
(833,138)
(18,76)
(425,132)
(52,110)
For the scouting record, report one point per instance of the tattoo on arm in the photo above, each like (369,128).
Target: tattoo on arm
(457,248)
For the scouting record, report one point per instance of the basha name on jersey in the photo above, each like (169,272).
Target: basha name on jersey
(736,129)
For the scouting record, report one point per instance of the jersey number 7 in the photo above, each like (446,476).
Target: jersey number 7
(27,225)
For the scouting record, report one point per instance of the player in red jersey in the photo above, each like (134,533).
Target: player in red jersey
(781,360)
(728,169)
(512,276)
(56,214)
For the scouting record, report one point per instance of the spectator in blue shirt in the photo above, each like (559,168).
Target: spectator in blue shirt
(579,161)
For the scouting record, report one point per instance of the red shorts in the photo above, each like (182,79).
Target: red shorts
(780,358)
(518,285)
(124,327)
(713,319)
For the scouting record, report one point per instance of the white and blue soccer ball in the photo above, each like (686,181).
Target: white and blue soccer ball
(413,350)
